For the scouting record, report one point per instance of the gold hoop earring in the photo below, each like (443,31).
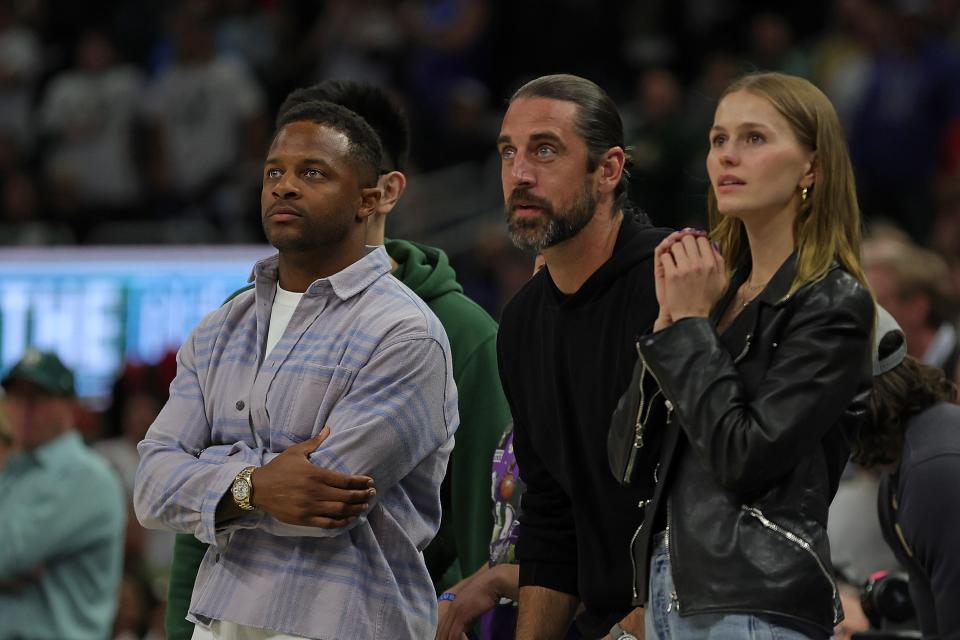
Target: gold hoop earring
(803,193)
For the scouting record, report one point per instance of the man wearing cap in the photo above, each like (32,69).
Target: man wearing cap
(61,514)
(914,441)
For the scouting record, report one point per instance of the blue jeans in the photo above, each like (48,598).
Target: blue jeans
(662,620)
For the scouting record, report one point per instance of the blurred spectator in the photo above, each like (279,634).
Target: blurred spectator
(915,441)
(897,139)
(446,37)
(359,40)
(913,284)
(208,124)
(945,236)
(246,30)
(772,48)
(139,614)
(21,220)
(87,119)
(842,58)
(6,438)
(138,395)
(62,512)
(494,270)
(464,130)
(21,62)
(662,147)
(718,72)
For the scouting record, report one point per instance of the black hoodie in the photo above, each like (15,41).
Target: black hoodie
(564,362)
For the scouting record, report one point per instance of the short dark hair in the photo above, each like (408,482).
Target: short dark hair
(371,103)
(597,119)
(364,151)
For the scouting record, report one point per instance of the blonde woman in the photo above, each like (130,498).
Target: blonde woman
(762,354)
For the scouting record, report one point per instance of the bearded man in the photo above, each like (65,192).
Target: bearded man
(567,349)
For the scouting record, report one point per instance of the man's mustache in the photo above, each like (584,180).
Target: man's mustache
(521,197)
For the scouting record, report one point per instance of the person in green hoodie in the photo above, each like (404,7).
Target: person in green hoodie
(462,543)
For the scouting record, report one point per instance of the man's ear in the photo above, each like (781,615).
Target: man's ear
(370,198)
(393,184)
(610,169)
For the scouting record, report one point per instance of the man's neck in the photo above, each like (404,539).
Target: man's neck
(376,230)
(376,235)
(298,270)
(573,261)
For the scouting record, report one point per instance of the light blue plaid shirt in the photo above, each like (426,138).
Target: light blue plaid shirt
(363,355)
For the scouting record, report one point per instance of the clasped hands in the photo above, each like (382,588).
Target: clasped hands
(294,490)
(690,276)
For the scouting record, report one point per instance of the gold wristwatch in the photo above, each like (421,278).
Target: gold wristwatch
(242,489)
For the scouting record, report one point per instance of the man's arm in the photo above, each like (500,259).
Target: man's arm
(547,545)
(178,484)
(930,516)
(400,409)
(545,614)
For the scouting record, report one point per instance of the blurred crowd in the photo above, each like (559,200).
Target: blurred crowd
(146,122)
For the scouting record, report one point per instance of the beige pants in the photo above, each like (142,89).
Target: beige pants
(223,630)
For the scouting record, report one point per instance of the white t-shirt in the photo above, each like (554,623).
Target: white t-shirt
(98,163)
(223,630)
(284,304)
(202,108)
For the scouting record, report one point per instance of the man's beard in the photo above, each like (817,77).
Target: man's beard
(554,226)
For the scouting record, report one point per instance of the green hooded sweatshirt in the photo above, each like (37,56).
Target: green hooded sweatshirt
(462,544)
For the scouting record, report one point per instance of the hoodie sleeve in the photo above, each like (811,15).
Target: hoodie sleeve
(484,415)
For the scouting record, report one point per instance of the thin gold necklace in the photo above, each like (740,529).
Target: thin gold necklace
(746,299)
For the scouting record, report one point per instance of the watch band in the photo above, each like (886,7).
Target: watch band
(242,489)
(618,633)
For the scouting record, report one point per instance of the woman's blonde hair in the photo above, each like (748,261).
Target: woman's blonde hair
(827,226)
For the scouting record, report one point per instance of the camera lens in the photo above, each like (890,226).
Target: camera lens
(886,597)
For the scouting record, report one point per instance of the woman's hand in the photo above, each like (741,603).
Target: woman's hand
(475,596)
(694,275)
(664,319)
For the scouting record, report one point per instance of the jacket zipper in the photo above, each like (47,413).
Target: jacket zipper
(633,562)
(666,400)
(638,427)
(807,547)
(641,422)
(674,597)
(746,349)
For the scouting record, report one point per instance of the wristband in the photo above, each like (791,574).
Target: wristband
(447,595)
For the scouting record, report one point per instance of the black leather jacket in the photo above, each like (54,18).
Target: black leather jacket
(758,432)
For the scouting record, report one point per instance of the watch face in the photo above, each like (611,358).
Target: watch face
(241,490)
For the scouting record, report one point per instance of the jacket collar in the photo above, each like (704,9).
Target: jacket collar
(779,286)
(777,291)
